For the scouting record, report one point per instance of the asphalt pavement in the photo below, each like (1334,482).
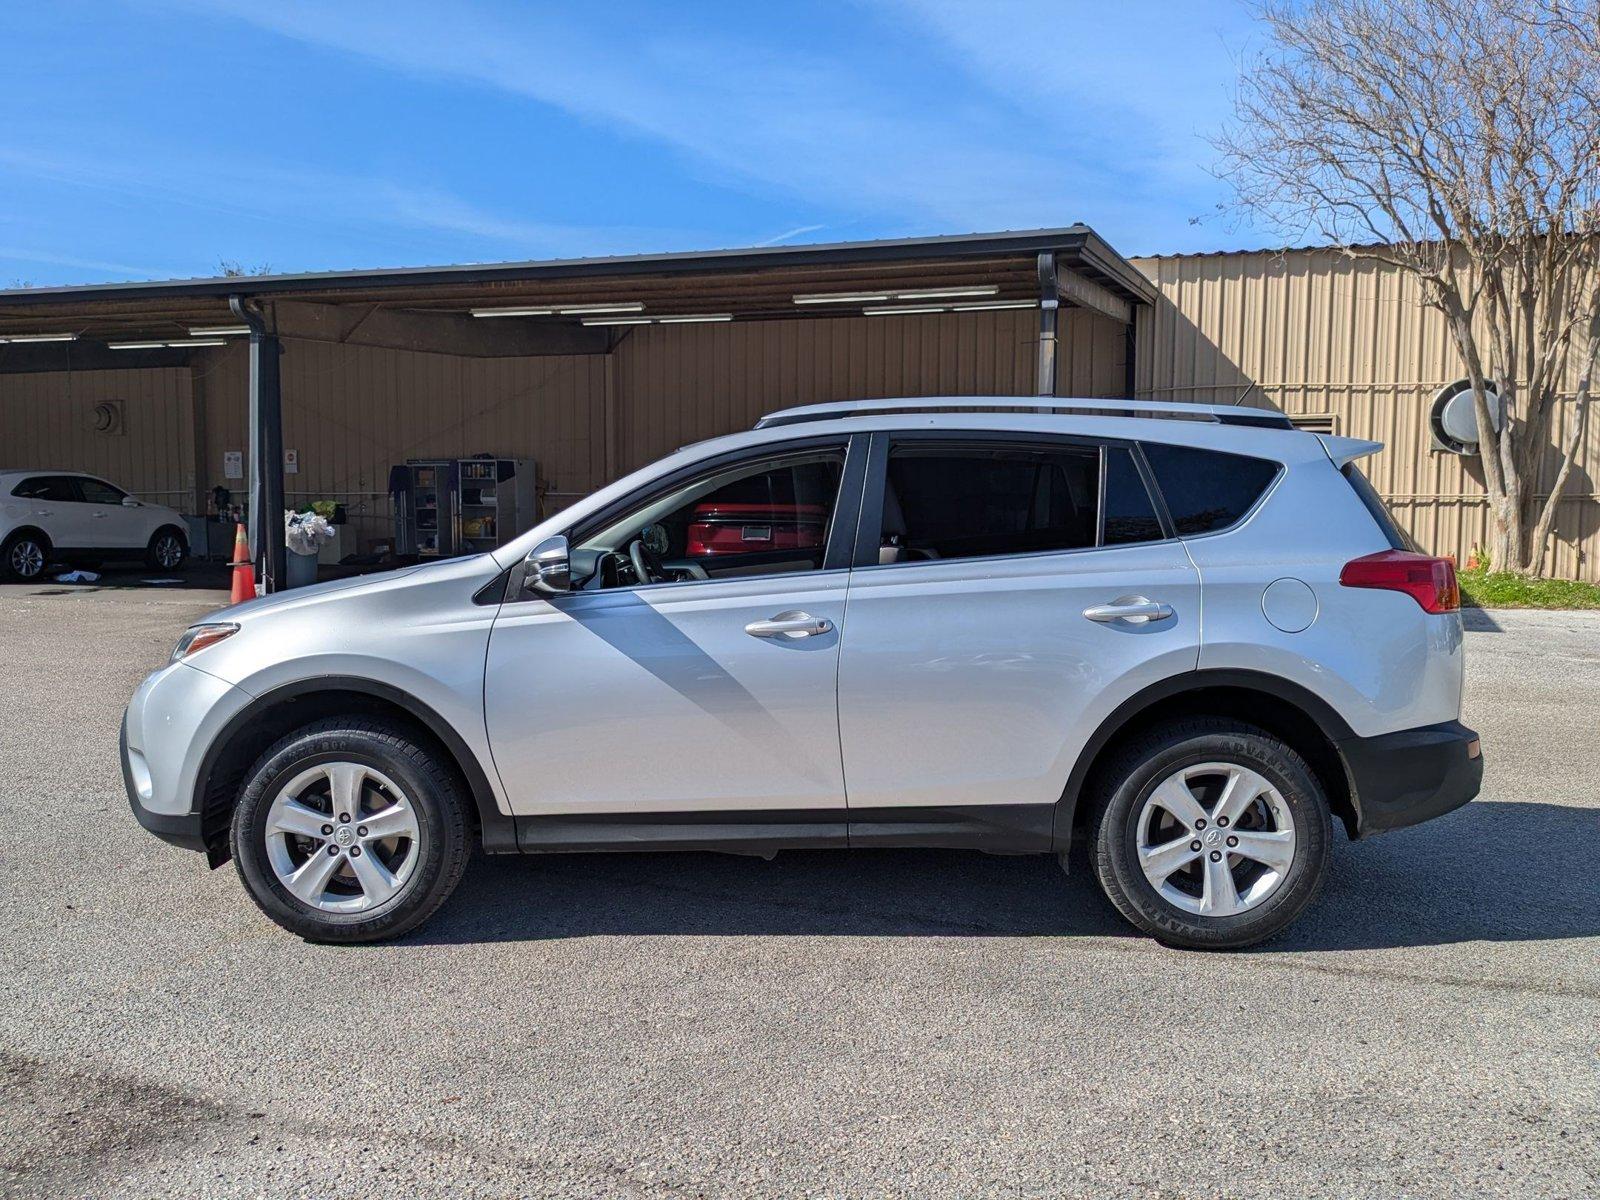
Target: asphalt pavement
(822,1025)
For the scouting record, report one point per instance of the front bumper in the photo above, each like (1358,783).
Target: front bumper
(1414,775)
(181,829)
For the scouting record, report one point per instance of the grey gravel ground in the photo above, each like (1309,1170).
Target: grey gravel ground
(921,1024)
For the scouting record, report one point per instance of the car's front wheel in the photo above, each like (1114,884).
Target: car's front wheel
(1210,834)
(167,550)
(349,830)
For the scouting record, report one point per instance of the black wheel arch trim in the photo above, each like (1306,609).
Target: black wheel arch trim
(30,531)
(1322,714)
(498,831)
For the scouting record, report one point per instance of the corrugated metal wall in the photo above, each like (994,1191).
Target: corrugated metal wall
(678,384)
(48,420)
(1321,333)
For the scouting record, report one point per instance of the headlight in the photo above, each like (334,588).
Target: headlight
(198,637)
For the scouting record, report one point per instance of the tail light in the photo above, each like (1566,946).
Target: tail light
(1431,582)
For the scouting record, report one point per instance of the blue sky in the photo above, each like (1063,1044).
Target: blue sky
(157,138)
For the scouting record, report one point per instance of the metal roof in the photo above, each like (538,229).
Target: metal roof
(1077,246)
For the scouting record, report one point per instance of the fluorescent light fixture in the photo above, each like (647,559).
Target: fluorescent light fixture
(20,338)
(841,297)
(904,310)
(984,289)
(180,344)
(992,304)
(513,312)
(617,321)
(221,331)
(578,310)
(695,318)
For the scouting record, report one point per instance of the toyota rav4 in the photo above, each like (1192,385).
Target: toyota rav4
(1190,639)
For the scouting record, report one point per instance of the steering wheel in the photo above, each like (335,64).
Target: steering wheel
(647,566)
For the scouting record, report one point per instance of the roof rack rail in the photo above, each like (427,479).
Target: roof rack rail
(1260,417)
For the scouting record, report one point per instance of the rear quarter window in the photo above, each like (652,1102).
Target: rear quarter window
(1208,490)
(1398,538)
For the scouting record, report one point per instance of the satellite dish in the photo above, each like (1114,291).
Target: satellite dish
(1454,421)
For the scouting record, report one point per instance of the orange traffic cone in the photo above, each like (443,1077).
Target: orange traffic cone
(244,571)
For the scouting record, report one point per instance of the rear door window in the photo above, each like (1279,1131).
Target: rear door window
(948,500)
(1130,515)
(1208,490)
(98,491)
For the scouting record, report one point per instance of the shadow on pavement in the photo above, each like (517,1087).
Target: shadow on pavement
(1493,871)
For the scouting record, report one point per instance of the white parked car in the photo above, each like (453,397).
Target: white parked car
(1190,646)
(67,516)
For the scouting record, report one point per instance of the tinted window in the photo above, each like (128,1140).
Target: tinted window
(945,501)
(1130,515)
(1398,538)
(1207,490)
(47,487)
(97,491)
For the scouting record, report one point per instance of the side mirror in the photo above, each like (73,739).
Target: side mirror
(130,502)
(548,570)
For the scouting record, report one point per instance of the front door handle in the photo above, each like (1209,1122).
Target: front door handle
(794,625)
(1136,610)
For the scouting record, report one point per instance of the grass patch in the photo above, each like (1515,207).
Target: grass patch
(1503,589)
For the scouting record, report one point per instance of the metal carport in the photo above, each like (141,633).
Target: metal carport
(573,308)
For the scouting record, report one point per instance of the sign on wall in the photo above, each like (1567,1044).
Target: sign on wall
(233,464)
(291,462)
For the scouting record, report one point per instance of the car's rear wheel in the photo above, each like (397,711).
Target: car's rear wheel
(1210,834)
(166,551)
(23,557)
(350,831)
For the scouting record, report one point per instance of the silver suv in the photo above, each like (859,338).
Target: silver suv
(1189,638)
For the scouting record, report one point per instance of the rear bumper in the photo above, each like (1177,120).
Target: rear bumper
(181,829)
(1414,775)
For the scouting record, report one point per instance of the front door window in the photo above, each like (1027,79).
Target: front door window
(766,517)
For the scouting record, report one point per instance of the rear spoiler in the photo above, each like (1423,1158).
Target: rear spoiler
(1344,451)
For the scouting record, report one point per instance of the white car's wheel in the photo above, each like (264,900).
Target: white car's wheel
(24,557)
(167,550)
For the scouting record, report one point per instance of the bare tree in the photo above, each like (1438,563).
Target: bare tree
(231,269)
(1459,140)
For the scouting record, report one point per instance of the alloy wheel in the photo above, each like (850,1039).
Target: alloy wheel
(1215,839)
(169,552)
(27,559)
(342,837)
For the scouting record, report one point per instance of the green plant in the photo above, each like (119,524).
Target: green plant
(324,508)
(1507,589)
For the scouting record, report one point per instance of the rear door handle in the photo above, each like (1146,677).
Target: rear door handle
(1136,610)
(793,625)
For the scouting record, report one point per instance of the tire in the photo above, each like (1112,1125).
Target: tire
(24,557)
(1286,821)
(294,786)
(168,549)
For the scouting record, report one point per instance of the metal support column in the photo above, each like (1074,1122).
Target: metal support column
(266,451)
(1130,346)
(1049,303)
